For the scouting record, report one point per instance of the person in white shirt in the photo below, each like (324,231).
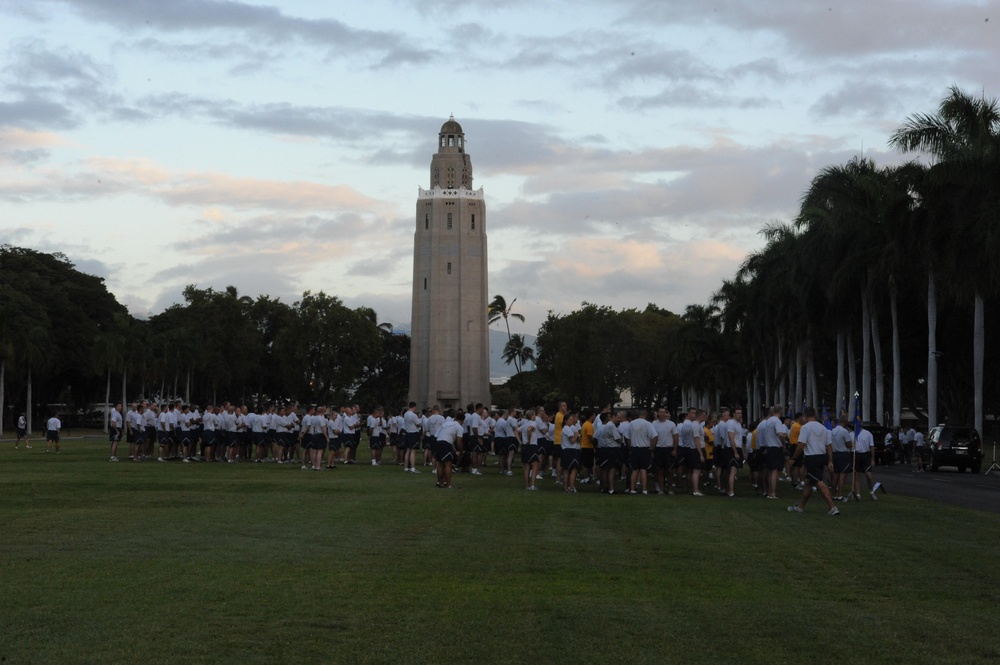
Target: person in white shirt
(22,431)
(52,428)
(150,416)
(502,435)
(186,433)
(351,434)
(432,422)
(864,442)
(732,442)
(569,450)
(448,437)
(209,434)
(691,438)
(134,432)
(115,429)
(771,437)
(817,457)
(642,437)
(258,434)
(335,430)
(918,451)
(410,434)
(840,441)
(376,435)
(609,447)
(533,430)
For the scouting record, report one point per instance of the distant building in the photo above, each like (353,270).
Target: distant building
(449,341)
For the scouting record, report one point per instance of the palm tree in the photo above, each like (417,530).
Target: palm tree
(964,137)
(518,353)
(500,309)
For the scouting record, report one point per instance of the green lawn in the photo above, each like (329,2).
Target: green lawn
(252,563)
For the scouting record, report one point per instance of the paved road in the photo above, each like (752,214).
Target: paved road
(969,490)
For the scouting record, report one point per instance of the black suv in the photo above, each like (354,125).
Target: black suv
(955,445)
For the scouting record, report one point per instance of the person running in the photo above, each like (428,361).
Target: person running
(52,428)
(864,442)
(115,429)
(22,432)
(817,456)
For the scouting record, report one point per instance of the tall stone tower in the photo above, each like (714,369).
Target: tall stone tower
(449,351)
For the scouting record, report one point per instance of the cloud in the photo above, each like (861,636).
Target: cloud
(252,23)
(105,176)
(694,97)
(839,29)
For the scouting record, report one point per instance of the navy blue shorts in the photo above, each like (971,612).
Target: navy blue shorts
(639,459)
(411,440)
(774,458)
(842,462)
(444,451)
(529,453)
(815,466)
(692,459)
(569,458)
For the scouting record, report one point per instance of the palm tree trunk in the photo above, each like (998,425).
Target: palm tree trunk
(932,368)
(30,410)
(879,372)
(3,376)
(797,394)
(768,395)
(852,374)
(811,374)
(755,414)
(978,352)
(124,389)
(897,389)
(866,369)
(107,399)
(839,399)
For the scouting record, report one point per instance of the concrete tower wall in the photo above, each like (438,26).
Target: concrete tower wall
(449,351)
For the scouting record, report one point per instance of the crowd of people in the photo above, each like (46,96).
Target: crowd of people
(615,451)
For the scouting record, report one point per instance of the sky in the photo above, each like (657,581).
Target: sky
(629,150)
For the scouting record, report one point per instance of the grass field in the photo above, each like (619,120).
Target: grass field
(252,563)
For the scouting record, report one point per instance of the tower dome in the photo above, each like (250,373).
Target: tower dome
(451,126)
(451,138)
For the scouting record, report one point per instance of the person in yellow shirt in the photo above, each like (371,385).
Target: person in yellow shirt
(793,467)
(587,461)
(556,460)
(709,433)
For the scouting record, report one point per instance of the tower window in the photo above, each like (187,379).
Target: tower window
(427,221)
(451,141)
(425,283)
(459,141)
(449,224)
(449,267)
(442,141)
(473,222)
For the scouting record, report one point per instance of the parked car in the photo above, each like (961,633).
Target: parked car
(956,445)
